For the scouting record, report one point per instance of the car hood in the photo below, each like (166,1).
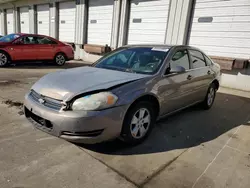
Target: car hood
(66,84)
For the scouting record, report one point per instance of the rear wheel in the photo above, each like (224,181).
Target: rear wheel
(4,59)
(138,123)
(60,59)
(209,100)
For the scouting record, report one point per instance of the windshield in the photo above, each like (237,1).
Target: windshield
(9,38)
(142,60)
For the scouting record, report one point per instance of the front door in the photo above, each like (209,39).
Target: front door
(175,88)
(24,49)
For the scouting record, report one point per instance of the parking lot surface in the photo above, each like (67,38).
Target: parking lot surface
(194,148)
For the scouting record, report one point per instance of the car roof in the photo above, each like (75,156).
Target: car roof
(159,46)
(22,34)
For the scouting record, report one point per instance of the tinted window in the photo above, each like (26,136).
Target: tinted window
(197,59)
(138,60)
(45,40)
(9,38)
(180,58)
(208,61)
(27,40)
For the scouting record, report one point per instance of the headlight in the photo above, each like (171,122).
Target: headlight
(95,102)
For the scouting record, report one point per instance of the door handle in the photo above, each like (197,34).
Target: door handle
(209,72)
(189,77)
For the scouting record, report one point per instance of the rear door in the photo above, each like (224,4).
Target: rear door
(202,74)
(46,48)
(175,88)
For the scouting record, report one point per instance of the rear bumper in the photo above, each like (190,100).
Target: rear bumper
(79,127)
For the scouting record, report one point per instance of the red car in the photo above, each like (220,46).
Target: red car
(31,47)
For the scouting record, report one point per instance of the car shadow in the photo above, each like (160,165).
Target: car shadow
(45,65)
(186,129)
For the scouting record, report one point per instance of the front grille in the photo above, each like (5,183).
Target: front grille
(46,101)
(39,120)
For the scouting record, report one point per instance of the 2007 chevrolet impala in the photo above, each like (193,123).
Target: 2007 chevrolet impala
(123,93)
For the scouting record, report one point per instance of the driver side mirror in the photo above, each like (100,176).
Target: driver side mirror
(177,69)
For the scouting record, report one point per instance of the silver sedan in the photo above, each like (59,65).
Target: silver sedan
(122,94)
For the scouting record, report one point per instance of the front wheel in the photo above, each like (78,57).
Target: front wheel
(4,59)
(138,123)
(209,100)
(60,59)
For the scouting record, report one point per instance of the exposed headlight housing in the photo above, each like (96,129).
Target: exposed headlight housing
(96,101)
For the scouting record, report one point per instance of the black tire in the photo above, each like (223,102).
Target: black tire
(208,102)
(126,133)
(4,59)
(60,59)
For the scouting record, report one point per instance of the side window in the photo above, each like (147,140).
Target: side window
(197,59)
(180,58)
(27,40)
(45,40)
(208,61)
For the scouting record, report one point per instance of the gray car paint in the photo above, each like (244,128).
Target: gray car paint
(173,92)
(66,84)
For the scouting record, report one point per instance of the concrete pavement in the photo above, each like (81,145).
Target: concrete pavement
(194,148)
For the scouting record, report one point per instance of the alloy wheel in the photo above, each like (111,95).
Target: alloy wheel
(3,59)
(140,123)
(60,59)
(210,96)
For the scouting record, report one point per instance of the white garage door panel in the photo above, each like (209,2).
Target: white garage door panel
(10,21)
(221,27)
(228,19)
(146,26)
(1,26)
(225,51)
(67,13)
(221,34)
(24,19)
(100,21)
(157,3)
(148,21)
(150,8)
(153,14)
(201,4)
(228,34)
(244,10)
(233,42)
(43,19)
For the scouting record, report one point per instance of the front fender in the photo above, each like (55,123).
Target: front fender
(130,92)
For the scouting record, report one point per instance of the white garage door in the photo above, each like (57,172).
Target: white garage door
(43,19)
(67,12)
(1,26)
(24,19)
(10,21)
(148,21)
(100,21)
(221,28)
